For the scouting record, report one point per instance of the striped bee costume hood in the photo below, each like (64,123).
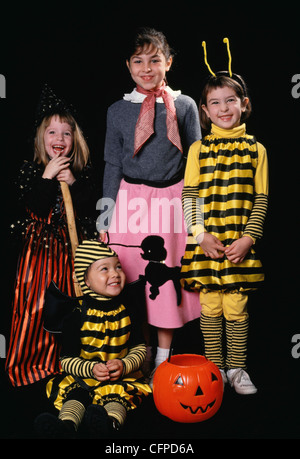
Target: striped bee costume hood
(86,254)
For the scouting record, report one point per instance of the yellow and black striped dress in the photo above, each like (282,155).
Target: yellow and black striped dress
(106,333)
(225,193)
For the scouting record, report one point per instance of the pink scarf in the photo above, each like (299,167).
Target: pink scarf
(145,123)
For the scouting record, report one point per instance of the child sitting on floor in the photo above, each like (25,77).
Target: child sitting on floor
(102,352)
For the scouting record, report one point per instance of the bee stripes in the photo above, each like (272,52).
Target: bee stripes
(225,194)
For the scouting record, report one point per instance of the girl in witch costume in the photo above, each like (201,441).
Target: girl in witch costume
(148,135)
(61,155)
(102,351)
(225,199)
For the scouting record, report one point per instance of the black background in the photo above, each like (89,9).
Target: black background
(78,49)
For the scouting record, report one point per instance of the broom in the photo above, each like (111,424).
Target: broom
(71,228)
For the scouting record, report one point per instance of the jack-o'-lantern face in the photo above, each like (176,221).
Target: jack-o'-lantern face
(188,388)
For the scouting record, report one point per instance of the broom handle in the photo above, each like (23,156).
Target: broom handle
(71,227)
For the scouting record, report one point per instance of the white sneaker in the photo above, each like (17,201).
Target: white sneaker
(240,380)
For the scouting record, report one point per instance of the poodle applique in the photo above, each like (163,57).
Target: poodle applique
(157,272)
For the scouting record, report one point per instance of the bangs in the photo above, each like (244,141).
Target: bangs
(63,118)
(148,47)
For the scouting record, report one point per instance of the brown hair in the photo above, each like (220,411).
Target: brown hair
(221,80)
(80,154)
(147,37)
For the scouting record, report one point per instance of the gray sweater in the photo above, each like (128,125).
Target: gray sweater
(158,160)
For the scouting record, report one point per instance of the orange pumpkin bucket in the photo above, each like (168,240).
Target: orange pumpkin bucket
(187,388)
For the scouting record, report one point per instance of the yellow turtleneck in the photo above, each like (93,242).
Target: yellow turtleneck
(239,131)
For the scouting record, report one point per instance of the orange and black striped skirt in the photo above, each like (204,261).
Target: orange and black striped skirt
(45,256)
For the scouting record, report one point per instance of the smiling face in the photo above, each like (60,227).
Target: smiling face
(106,277)
(224,107)
(58,138)
(148,67)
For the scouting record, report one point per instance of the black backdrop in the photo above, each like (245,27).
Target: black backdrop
(79,51)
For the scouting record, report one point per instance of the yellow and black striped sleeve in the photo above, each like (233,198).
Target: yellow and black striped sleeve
(76,366)
(190,194)
(134,359)
(70,361)
(254,226)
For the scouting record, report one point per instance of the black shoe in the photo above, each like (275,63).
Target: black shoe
(98,423)
(47,425)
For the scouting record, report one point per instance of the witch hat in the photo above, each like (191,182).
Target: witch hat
(49,104)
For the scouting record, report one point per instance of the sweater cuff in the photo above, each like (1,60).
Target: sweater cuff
(134,359)
(251,237)
(198,231)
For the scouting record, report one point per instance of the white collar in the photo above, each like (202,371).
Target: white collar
(137,97)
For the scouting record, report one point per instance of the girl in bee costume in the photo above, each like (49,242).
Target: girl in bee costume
(225,199)
(102,351)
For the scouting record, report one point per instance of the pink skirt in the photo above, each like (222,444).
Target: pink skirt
(148,224)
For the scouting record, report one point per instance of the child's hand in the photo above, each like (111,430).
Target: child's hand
(55,166)
(115,368)
(211,245)
(237,251)
(66,175)
(101,372)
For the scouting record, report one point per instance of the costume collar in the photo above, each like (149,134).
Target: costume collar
(110,304)
(138,98)
(236,132)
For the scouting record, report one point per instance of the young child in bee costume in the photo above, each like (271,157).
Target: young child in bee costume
(225,199)
(102,351)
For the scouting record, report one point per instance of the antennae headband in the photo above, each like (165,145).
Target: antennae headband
(228,73)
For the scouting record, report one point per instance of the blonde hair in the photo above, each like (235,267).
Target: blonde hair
(80,154)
